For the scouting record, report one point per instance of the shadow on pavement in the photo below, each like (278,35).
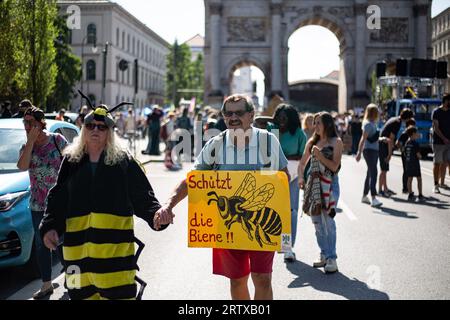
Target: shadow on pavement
(429,202)
(394,213)
(336,283)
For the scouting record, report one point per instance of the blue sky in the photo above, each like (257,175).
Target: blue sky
(182,19)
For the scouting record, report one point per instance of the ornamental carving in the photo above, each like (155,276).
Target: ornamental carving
(341,12)
(247,29)
(393,30)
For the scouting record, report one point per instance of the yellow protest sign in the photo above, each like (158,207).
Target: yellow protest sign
(248,210)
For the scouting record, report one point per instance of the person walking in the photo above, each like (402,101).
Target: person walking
(241,139)
(322,189)
(441,142)
(293,141)
(355,130)
(368,146)
(100,188)
(41,156)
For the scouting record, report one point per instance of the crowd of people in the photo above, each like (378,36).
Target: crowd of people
(84,195)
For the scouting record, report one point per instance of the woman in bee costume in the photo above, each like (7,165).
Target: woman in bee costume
(99,189)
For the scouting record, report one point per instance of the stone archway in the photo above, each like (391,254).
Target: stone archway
(260,29)
(243,61)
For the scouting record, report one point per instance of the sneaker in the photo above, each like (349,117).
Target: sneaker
(390,192)
(331,266)
(321,262)
(422,198)
(436,189)
(376,203)
(365,200)
(411,197)
(405,191)
(444,186)
(289,256)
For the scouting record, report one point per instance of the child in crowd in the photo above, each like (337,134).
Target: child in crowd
(400,145)
(412,157)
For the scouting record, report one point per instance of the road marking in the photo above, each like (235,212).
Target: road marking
(348,212)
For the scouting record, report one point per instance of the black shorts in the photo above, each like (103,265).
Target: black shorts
(383,153)
(413,171)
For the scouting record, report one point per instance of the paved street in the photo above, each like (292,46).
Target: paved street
(397,252)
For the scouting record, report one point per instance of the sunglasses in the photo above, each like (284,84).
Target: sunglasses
(92,126)
(239,113)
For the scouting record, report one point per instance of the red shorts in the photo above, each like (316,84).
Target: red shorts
(235,264)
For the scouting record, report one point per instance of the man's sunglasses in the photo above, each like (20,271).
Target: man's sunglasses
(239,113)
(92,126)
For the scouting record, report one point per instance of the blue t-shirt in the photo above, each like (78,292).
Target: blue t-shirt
(263,152)
(371,129)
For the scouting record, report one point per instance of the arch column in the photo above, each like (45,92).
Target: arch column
(215,21)
(275,9)
(420,11)
(359,96)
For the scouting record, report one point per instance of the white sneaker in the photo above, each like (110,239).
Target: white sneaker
(365,200)
(289,256)
(436,189)
(376,203)
(321,262)
(331,266)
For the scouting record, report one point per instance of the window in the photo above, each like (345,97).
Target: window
(123,39)
(90,70)
(128,43)
(133,46)
(138,48)
(91,34)
(117,37)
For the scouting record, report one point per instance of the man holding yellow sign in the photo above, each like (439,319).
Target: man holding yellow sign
(248,213)
(228,208)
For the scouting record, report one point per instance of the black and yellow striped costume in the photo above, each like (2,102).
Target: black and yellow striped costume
(94,211)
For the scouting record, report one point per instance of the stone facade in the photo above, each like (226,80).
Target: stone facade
(256,32)
(128,39)
(441,42)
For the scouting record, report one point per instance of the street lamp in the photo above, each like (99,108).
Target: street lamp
(105,55)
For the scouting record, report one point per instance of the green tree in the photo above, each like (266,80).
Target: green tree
(35,51)
(383,95)
(9,57)
(69,68)
(183,74)
(197,78)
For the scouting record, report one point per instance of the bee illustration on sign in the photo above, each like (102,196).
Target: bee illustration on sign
(248,207)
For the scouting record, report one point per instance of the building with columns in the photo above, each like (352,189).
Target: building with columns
(441,42)
(256,32)
(101,22)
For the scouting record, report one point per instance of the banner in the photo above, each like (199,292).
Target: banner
(239,210)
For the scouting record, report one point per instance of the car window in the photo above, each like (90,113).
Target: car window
(11,140)
(68,133)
